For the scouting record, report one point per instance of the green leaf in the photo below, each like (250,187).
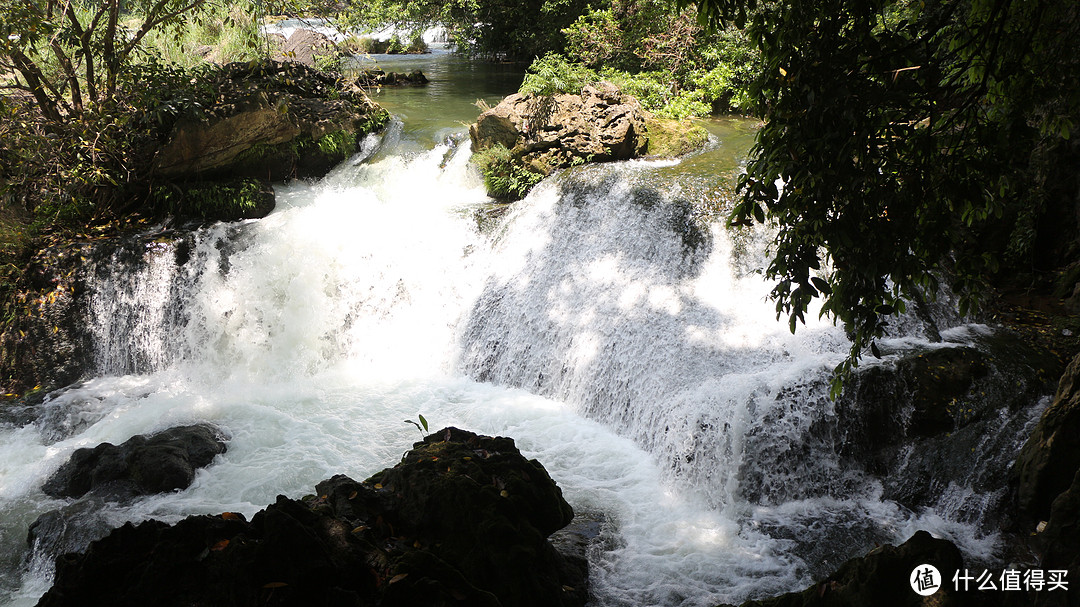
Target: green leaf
(423,422)
(759,213)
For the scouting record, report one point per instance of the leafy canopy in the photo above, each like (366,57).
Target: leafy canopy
(902,144)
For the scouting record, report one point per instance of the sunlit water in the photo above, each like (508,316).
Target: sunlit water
(619,339)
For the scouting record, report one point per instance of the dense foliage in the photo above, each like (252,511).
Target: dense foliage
(905,142)
(70,56)
(656,51)
(490,28)
(90,87)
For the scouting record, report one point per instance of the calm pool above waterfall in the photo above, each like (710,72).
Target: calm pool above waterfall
(620,338)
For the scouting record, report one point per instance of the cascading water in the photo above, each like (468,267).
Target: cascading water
(618,337)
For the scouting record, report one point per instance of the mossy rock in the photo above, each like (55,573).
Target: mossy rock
(673,138)
(271,121)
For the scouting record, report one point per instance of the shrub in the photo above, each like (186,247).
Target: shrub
(553,74)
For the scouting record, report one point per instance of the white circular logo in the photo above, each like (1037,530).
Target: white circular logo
(925,580)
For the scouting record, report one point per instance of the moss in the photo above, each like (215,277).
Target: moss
(338,144)
(669,138)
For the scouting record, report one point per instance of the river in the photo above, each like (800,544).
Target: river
(622,339)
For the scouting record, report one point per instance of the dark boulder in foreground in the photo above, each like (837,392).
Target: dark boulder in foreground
(142,465)
(882,579)
(462,520)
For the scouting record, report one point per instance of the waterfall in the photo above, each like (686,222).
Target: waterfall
(606,323)
(608,295)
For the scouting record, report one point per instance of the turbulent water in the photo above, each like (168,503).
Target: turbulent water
(621,340)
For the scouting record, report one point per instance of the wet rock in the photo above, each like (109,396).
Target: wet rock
(1059,544)
(881,578)
(1049,460)
(142,465)
(69,529)
(946,418)
(462,520)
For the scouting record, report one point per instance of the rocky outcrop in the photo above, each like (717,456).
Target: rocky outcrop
(43,344)
(304,46)
(275,121)
(47,340)
(551,132)
(942,416)
(1059,544)
(462,520)
(142,465)
(1050,459)
(882,578)
(544,133)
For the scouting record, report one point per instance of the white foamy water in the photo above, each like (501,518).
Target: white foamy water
(633,354)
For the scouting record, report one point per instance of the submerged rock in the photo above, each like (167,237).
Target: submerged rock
(462,520)
(142,465)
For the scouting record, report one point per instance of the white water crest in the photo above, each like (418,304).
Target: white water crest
(619,338)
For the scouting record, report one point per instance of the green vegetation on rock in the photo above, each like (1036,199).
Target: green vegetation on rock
(673,138)
(505,177)
(234,199)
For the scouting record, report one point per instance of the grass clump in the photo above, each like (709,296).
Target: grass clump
(505,178)
(227,33)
